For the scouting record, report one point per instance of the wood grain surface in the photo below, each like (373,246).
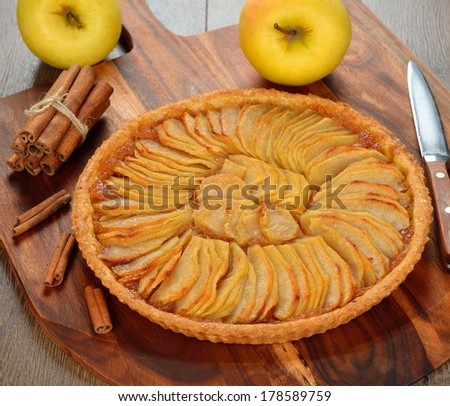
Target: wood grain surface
(29,357)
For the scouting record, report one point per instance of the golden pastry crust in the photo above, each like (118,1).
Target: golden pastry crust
(272,331)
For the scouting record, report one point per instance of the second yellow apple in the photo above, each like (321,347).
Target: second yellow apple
(294,42)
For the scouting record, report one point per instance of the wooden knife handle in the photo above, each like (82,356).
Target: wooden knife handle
(440,188)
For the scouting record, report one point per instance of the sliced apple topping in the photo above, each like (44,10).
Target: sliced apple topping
(186,272)
(130,230)
(229,117)
(317,220)
(334,160)
(288,289)
(138,267)
(371,170)
(266,283)
(231,288)
(248,116)
(204,132)
(213,260)
(260,213)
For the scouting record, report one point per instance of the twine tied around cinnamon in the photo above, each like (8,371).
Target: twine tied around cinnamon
(57,101)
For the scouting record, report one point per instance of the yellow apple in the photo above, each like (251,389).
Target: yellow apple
(64,32)
(294,42)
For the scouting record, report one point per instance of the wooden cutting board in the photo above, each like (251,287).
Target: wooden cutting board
(399,341)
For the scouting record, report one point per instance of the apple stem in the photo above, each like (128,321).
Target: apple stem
(72,19)
(285,30)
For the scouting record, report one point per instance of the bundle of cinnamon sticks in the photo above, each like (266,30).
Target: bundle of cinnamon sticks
(59,123)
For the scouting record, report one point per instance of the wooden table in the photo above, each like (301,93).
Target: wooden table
(28,356)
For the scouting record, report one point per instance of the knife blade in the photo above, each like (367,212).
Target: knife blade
(434,150)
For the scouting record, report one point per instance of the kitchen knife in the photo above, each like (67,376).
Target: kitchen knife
(435,152)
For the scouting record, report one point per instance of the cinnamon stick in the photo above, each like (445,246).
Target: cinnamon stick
(34,149)
(18,145)
(33,161)
(50,164)
(98,310)
(16,163)
(36,123)
(59,124)
(31,168)
(58,264)
(32,164)
(39,213)
(95,104)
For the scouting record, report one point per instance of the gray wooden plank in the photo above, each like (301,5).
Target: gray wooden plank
(423,28)
(223,13)
(182,17)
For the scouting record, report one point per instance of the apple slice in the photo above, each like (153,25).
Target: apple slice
(246,229)
(266,283)
(190,125)
(151,166)
(371,170)
(326,128)
(213,117)
(233,168)
(130,233)
(360,187)
(289,134)
(284,121)
(148,177)
(246,121)
(147,173)
(215,131)
(149,282)
(174,158)
(229,117)
(138,199)
(303,133)
(153,220)
(362,270)
(182,278)
(294,193)
(181,141)
(358,237)
(261,130)
(219,190)
(230,289)
(305,282)
(346,277)
(136,268)
(198,292)
(321,281)
(385,208)
(261,136)
(119,254)
(198,128)
(320,142)
(288,290)
(379,232)
(384,227)
(220,254)
(287,189)
(212,223)
(260,174)
(242,312)
(331,271)
(334,160)
(277,225)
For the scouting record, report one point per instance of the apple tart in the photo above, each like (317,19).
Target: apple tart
(252,216)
